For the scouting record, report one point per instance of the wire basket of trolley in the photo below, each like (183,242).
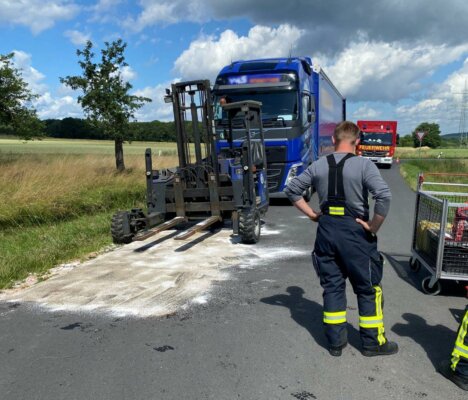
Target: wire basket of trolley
(440,234)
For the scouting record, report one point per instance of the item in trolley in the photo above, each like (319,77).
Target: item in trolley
(460,225)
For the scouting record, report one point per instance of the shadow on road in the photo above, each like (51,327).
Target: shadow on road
(308,314)
(155,242)
(403,270)
(436,340)
(194,242)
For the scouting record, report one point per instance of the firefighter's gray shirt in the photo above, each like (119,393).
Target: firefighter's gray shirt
(360,177)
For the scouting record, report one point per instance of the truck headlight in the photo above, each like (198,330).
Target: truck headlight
(292,172)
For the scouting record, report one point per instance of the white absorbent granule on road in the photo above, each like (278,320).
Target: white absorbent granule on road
(150,278)
(269,232)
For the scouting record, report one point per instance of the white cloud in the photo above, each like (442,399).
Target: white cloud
(164,12)
(31,75)
(330,25)
(208,54)
(64,90)
(62,105)
(375,74)
(423,107)
(37,15)
(49,106)
(364,71)
(366,112)
(103,6)
(77,38)
(442,105)
(387,71)
(105,11)
(127,73)
(157,109)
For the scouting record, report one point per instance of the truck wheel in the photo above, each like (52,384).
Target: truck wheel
(120,228)
(249,226)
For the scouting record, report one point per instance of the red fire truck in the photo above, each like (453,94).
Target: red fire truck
(378,141)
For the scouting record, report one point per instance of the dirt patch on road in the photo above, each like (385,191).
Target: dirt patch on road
(151,278)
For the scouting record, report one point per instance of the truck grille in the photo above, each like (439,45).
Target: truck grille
(276,154)
(275,174)
(374,153)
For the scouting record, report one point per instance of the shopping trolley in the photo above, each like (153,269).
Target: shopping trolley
(440,235)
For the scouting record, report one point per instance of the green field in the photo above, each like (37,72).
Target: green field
(63,146)
(57,198)
(426,152)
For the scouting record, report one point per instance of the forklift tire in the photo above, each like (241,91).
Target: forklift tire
(120,228)
(249,226)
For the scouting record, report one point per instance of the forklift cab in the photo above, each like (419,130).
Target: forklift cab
(246,115)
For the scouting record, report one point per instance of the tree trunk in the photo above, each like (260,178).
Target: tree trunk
(119,156)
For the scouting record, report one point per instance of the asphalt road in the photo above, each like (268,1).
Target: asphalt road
(259,337)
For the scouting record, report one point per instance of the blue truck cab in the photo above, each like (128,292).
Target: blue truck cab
(300,109)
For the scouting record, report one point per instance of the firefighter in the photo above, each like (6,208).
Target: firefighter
(346,242)
(457,369)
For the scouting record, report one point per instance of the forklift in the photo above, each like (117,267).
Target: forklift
(208,187)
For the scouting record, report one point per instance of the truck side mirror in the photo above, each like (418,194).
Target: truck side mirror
(311,116)
(397,139)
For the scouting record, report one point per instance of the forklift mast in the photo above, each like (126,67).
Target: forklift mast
(193,117)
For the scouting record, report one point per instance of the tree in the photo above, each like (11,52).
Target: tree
(406,141)
(16,111)
(105,97)
(72,128)
(432,137)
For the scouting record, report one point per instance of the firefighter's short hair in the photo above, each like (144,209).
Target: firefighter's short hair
(346,130)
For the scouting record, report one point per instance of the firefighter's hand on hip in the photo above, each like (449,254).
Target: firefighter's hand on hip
(364,224)
(302,206)
(372,226)
(316,216)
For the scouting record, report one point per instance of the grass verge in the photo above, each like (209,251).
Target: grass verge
(55,207)
(426,152)
(411,169)
(35,249)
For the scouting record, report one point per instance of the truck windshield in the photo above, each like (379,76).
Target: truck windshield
(376,138)
(280,105)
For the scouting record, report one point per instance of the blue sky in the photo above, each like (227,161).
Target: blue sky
(387,65)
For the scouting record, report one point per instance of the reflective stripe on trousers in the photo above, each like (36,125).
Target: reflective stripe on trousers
(338,317)
(376,321)
(461,349)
